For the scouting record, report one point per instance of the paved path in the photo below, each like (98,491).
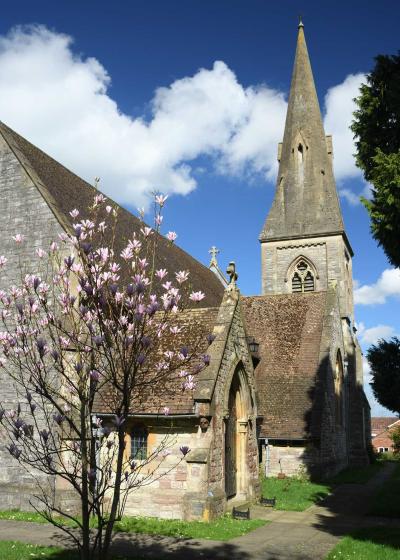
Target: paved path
(307,535)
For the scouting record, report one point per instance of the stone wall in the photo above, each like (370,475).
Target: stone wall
(288,459)
(235,357)
(177,479)
(329,255)
(23,211)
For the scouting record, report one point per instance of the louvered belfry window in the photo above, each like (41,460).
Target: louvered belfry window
(303,278)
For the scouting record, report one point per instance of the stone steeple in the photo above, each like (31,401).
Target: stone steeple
(304,247)
(306,202)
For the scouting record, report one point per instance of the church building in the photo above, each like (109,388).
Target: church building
(284,384)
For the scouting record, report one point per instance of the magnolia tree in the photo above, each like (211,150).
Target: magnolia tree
(93,331)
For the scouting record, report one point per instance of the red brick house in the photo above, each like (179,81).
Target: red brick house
(380,433)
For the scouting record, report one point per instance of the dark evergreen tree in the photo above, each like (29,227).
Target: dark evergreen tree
(384,359)
(376,127)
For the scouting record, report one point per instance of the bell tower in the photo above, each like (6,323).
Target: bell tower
(304,246)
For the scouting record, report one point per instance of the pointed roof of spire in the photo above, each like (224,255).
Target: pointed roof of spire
(306,202)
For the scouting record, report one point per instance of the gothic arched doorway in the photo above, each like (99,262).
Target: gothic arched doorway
(230,442)
(236,435)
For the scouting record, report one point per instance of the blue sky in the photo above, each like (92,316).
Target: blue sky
(131,91)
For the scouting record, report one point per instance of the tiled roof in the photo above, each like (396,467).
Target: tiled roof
(63,191)
(379,424)
(154,394)
(288,329)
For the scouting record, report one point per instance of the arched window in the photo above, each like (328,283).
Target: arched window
(339,390)
(139,443)
(303,278)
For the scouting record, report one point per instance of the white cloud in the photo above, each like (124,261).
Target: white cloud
(388,284)
(60,101)
(339,107)
(373,334)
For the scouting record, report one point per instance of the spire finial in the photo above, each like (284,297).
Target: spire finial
(301,24)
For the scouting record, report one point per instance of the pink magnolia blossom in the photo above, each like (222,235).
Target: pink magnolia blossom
(135,245)
(74,213)
(115,267)
(189,383)
(108,209)
(175,330)
(171,236)
(146,231)
(54,247)
(161,273)
(158,220)
(166,410)
(40,253)
(161,199)
(181,276)
(127,254)
(3,261)
(99,199)
(18,238)
(87,225)
(196,296)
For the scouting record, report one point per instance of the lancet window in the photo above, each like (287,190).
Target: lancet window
(303,278)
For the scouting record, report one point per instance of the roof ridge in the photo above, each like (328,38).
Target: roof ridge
(64,190)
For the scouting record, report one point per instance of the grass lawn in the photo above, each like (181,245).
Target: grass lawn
(368,544)
(10,550)
(294,494)
(298,494)
(386,501)
(221,529)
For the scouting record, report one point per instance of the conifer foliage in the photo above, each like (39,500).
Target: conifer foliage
(376,127)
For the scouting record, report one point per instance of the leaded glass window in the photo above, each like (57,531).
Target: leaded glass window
(139,443)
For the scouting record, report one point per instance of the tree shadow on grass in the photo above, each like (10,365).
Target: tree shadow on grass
(152,547)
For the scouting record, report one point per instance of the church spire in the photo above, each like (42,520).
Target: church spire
(306,202)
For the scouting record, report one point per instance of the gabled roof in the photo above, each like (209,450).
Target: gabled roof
(288,328)
(380,424)
(306,202)
(63,191)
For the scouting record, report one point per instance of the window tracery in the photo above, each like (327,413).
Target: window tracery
(303,278)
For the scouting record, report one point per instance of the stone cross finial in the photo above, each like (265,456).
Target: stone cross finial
(231,272)
(213,252)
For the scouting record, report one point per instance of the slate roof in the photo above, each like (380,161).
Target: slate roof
(288,328)
(154,393)
(63,191)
